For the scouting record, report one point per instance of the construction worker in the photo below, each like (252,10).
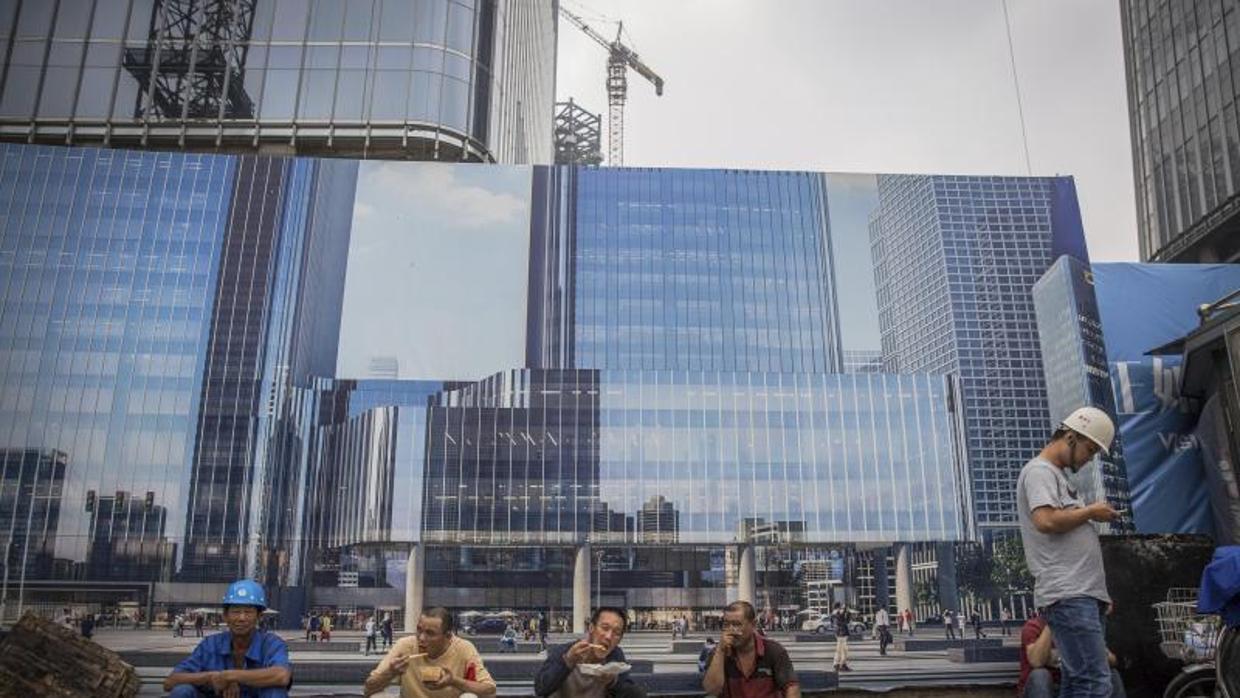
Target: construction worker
(1062,549)
(243,661)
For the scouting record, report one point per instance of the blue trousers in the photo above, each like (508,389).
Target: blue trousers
(1079,627)
(1041,685)
(188,691)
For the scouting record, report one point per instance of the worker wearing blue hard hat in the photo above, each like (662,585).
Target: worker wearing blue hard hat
(244,662)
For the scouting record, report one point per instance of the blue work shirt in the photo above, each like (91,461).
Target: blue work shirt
(214,653)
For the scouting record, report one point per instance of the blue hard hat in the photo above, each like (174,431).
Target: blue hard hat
(245,592)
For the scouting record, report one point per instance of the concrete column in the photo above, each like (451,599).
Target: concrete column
(415,567)
(882,590)
(949,595)
(904,577)
(746,587)
(581,589)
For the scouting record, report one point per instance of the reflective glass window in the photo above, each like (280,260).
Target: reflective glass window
(350,88)
(289,20)
(59,88)
(72,19)
(357,19)
(21,86)
(317,91)
(327,20)
(35,18)
(109,20)
(398,21)
(430,21)
(460,28)
(391,95)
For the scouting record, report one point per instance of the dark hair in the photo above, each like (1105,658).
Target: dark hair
(744,607)
(624,616)
(445,618)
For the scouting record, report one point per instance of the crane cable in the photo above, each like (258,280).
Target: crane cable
(1020,107)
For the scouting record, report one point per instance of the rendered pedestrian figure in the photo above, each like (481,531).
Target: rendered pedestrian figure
(976,620)
(387,630)
(199,623)
(372,630)
(1005,617)
(1063,552)
(841,617)
(949,627)
(882,623)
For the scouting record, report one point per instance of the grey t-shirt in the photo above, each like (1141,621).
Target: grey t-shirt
(1064,564)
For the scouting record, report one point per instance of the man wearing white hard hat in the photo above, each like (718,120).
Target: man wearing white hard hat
(1061,547)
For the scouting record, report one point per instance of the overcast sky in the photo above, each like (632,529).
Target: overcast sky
(875,86)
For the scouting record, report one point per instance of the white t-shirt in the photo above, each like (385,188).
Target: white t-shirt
(1064,565)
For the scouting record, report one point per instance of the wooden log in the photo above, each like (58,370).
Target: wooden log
(40,658)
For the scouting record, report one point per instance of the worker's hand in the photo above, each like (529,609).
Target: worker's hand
(446,679)
(1110,607)
(400,664)
(1101,511)
(578,653)
(233,691)
(220,681)
(727,643)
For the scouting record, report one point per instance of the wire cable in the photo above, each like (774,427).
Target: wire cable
(1020,106)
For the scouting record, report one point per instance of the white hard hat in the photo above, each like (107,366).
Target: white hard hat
(1093,424)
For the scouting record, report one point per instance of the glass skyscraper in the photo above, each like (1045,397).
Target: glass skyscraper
(686,270)
(1181,59)
(955,260)
(1074,356)
(154,314)
(403,79)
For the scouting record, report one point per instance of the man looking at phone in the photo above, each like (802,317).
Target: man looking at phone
(1062,550)
(434,663)
(747,665)
(574,669)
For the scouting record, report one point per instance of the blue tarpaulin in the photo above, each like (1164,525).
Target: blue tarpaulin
(1143,306)
(1220,585)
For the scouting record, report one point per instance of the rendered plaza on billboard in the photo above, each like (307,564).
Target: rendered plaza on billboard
(371,384)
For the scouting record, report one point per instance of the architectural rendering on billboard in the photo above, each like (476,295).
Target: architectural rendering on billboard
(332,374)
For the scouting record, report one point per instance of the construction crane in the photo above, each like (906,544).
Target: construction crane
(620,59)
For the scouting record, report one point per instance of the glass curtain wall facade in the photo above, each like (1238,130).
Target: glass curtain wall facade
(693,270)
(549,457)
(1074,357)
(420,79)
(154,309)
(1181,59)
(955,261)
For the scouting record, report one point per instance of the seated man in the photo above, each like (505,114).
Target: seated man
(243,662)
(561,674)
(508,643)
(746,664)
(434,663)
(1039,663)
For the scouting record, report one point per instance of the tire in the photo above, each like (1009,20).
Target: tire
(1198,683)
(821,630)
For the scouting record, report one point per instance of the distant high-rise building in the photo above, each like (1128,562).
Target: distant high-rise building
(658,521)
(1180,57)
(400,79)
(578,135)
(955,260)
(1074,358)
(693,270)
(384,367)
(863,361)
